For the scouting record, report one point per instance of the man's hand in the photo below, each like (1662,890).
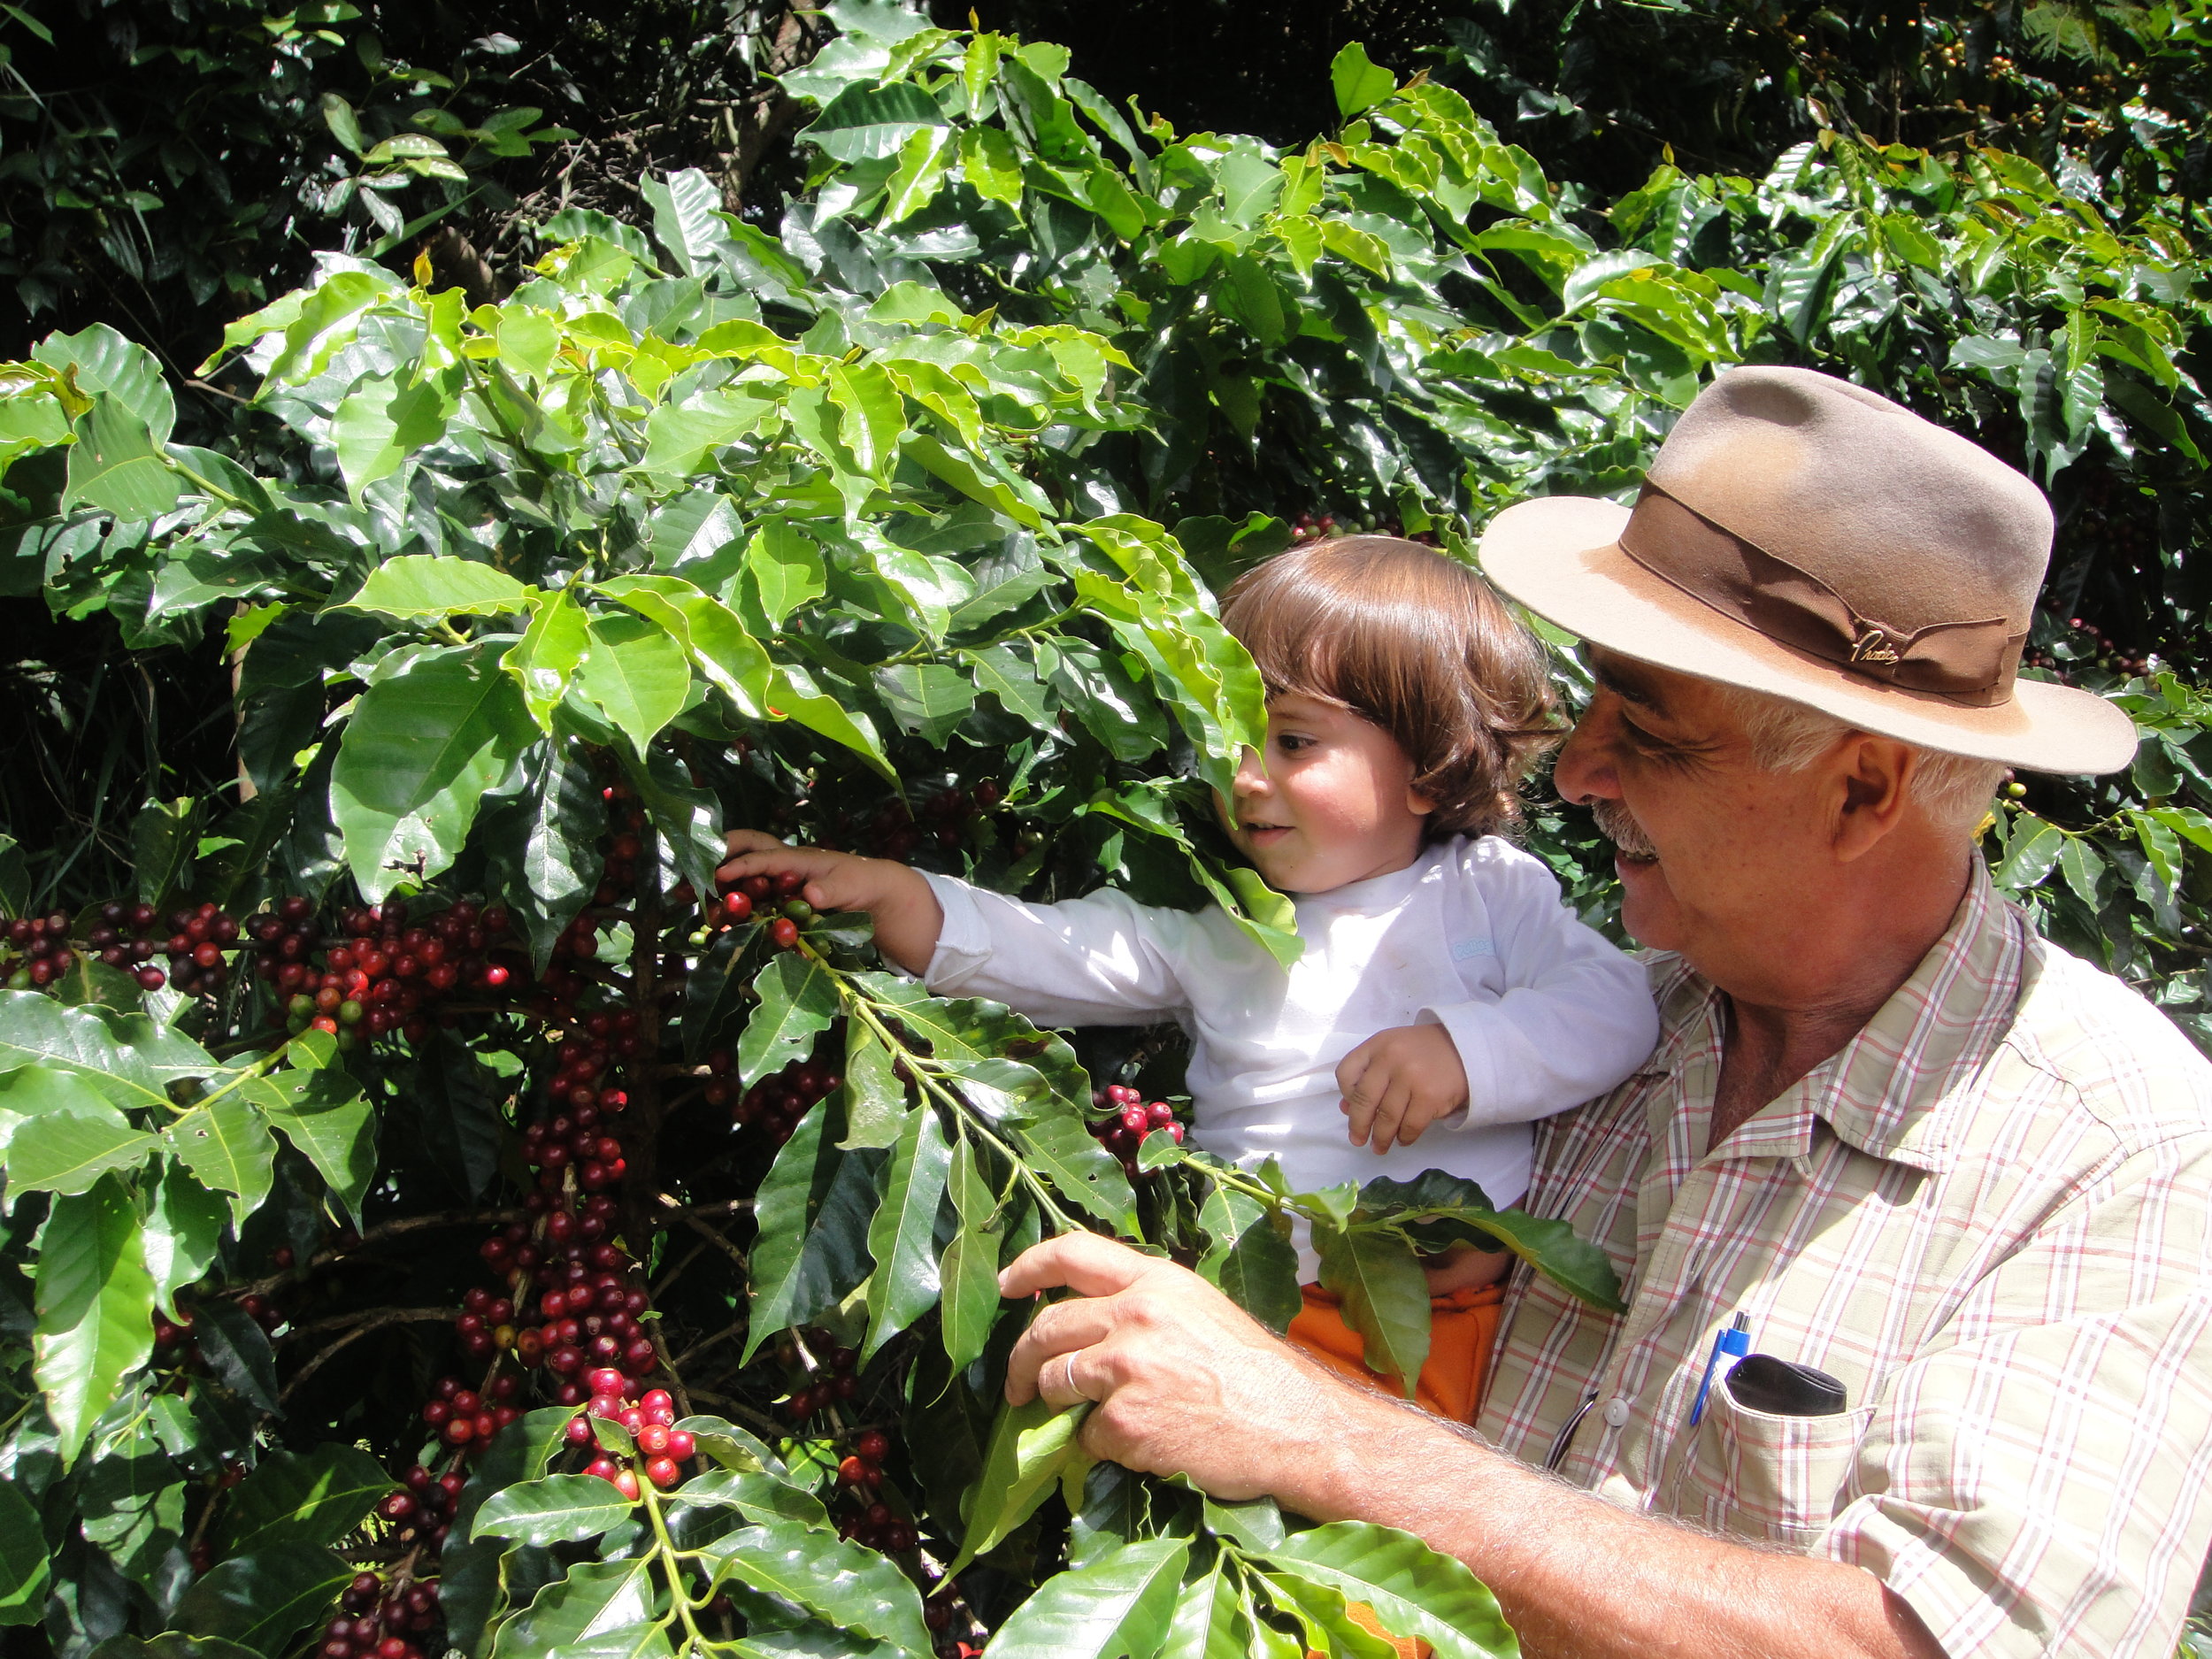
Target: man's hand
(1399,1082)
(1186,1382)
(906,913)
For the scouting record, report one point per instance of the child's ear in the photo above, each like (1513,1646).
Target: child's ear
(1417,803)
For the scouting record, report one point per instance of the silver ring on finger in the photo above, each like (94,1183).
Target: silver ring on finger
(1068,1375)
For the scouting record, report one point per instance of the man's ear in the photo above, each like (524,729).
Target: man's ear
(1872,784)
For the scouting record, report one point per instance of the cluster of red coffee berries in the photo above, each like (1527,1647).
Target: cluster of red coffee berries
(663,1449)
(753,895)
(123,937)
(381,1620)
(777,1103)
(384,975)
(466,1420)
(821,1386)
(1129,1119)
(1309,527)
(894,830)
(872,1522)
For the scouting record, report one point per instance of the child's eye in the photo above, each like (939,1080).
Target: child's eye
(1290,743)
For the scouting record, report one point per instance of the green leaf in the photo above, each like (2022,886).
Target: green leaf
(755,1494)
(1358,83)
(597,1601)
(1249,1257)
(227,1145)
(162,837)
(23,1568)
(418,757)
(67,1152)
(1414,1591)
(1386,1296)
(792,694)
(105,361)
(116,466)
(870,123)
(125,1057)
(679,437)
(325,1116)
(812,1216)
(2033,849)
(381,425)
(927,699)
(237,1353)
(558,1509)
(636,672)
(841,1584)
(903,1236)
(1031,1446)
(798,1000)
(419,587)
(544,659)
(1067,1154)
(990,164)
(95,1307)
(730,658)
(327,320)
(1122,1604)
(785,569)
(181,1232)
(1006,674)
(311,1498)
(263,1600)
(1212,1621)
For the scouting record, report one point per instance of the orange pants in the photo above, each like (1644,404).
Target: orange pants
(1463,1324)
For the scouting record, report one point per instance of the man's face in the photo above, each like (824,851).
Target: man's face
(1713,850)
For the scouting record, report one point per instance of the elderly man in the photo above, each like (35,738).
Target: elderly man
(1950,1182)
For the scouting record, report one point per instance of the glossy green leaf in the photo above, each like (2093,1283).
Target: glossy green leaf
(798,1000)
(785,568)
(125,1057)
(95,1305)
(708,631)
(812,1213)
(544,659)
(182,1229)
(636,672)
(381,425)
(116,466)
(226,1144)
(1415,1591)
(557,1509)
(902,1237)
(1032,1446)
(315,1497)
(420,751)
(263,1600)
(326,1117)
(23,1566)
(1210,1619)
(1386,1297)
(841,1584)
(596,1598)
(1249,1257)
(865,123)
(1122,1604)
(64,1152)
(757,1497)
(422,589)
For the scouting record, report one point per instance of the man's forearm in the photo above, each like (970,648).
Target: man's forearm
(1575,1575)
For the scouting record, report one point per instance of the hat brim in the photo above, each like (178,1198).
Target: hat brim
(1561,556)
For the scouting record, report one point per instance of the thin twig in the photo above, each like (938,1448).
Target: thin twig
(704,1343)
(376,1322)
(379,1234)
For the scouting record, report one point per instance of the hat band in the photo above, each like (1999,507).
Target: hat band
(1971,663)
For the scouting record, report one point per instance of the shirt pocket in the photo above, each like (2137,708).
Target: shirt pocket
(1757,1476)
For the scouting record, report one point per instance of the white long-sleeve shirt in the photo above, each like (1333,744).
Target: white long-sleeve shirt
(1472,936)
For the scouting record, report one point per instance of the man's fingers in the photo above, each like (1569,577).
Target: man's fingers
(1083,1262)
(1058,1329)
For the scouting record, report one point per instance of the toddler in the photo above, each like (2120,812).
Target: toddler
(1446,997)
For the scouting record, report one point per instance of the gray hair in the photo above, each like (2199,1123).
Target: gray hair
(1953,790)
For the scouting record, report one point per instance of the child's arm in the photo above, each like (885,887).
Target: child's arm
(906,913)
(1576,1019)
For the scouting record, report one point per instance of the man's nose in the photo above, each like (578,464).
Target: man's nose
(1584,770)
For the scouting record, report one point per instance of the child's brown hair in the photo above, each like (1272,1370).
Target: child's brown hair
(1417,644)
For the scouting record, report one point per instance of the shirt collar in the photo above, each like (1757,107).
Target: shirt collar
(1888,1091)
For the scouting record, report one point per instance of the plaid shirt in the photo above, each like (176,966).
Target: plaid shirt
(1987,1215)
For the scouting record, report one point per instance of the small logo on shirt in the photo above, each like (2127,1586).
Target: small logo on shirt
(1462,949)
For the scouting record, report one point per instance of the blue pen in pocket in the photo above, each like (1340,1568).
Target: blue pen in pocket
(1734,1343)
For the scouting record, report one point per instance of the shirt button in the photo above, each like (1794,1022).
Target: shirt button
(1615,1412)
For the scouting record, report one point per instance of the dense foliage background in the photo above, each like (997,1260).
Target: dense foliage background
(461,458)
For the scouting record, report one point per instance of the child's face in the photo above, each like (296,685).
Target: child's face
(1330,803)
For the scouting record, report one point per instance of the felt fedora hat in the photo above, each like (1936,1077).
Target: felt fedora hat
(1800,536)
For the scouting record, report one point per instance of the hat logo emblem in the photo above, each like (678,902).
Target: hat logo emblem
(1875,645)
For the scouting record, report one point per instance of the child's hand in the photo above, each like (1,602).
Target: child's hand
(907,916)
(1464,1267)
(1399,1082)
(835,881)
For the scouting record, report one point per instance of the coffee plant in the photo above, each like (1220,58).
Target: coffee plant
(441,1216)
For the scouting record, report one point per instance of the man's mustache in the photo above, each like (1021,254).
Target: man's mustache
(1618,826)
